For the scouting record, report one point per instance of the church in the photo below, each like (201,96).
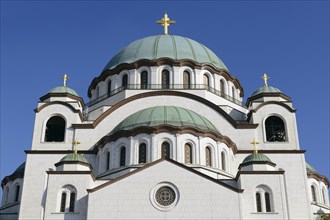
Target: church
(165,135)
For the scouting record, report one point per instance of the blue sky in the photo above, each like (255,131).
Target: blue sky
(41,40)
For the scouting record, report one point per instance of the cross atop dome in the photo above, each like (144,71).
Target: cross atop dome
(165,22)
(255,143)
(65,78)
(265,77)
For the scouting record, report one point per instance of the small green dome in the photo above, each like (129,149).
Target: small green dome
(310,169)
(170,46)
(74,158)
(266,89)
(165,115)
(256,158)
(64,89)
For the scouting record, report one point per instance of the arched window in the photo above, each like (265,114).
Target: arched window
(17,191)
(97,92)
(222,86)
(143,153)
(208,157)
(166,153)
(206,81)
(223,161)
(109,88)
(324,196)
(233,92)
(275,130)
(258,202)
(267,201)
(108,161)
(6,196)
(122,156)
(313,193)
(264,199)
(144,80)
(187,153)
(186,80)
(67,193)
(124,81)
(55,129)
(72,201)
(165,79)
(63,202)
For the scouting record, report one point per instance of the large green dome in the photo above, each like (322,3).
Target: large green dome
(165,115)
(170,46)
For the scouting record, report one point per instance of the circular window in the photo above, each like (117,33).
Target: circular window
(164,196)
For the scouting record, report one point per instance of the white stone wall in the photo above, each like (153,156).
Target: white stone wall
(130,198)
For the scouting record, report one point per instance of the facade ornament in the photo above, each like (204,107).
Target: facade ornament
(75,145)
(255,143)
(165,22)
(65,78)
(265,77)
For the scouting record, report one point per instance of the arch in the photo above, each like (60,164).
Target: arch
(313,191)
(6,195)
(258,202)
(233,92)
(144,79)
(166,151)
(165,78)
(124,81)
(97,92)
(266,199)
(142,153)
(186,80)
(188,153)
(222,87)
(223,161)
(63,202)
(109,88)
(208,156)
(108,160)
(122,160)
(17,192)
(275,129)
(206,81)
(72,201)
(55,129)
(67,198)
(324,195)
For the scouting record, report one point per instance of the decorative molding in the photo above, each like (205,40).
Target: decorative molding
(318,177)
(170,129)
(166,93)
(71,173)
(272,151)
(60,103)
(64,94)
(266,172)
(73,162)
(59,151)
(256,162)
(162,61)
(267,94)
(156,162)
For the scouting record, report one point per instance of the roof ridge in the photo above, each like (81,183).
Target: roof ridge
(156,46)
(192,48)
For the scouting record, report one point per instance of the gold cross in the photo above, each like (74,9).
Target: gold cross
(165,22)
(75,144)
(265,77)
(65,78)
(255,143)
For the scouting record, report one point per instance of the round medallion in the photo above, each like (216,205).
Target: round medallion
(164,196)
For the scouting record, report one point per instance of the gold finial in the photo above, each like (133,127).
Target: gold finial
(265,77)
(75,144)
(65,78)
(255,143)
(165,22)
